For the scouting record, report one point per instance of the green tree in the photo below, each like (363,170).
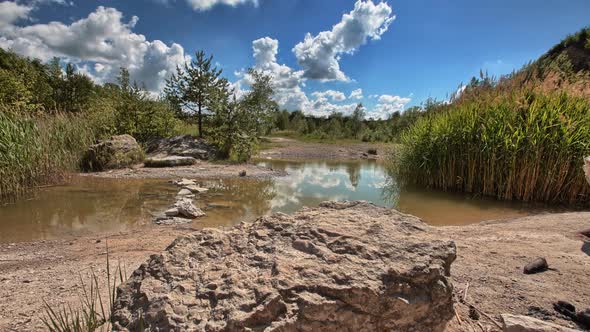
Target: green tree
(192,86)
(259,103)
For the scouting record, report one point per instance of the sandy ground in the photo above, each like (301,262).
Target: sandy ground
(202,170)
(290,149)
(490,260)
(490,255)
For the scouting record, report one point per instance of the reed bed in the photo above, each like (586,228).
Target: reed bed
(37,150)
(521,145)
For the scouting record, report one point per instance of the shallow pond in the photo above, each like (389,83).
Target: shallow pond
(93,205)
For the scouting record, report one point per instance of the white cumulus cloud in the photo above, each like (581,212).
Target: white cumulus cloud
(104,40)
(11,12)
(319,55)
(203,5)
(387,105)
(331,94)
(356,94)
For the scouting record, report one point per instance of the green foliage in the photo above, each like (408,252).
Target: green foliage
(191,88)
(237,124)
(350,127)
(138,115)
(524,145)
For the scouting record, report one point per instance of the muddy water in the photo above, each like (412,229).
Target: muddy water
(92,205)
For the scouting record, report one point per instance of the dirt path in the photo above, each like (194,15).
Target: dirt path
(290,149)
(490,259)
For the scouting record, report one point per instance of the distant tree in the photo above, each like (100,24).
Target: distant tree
(258,101)
(355,122)
(77,90)
(192,85)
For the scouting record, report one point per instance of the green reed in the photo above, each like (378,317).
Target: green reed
(39,150)
(520,145)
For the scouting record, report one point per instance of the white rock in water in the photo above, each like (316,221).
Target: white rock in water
(515,323)
(173,221)
(171,212)
(196,189)
(184,192)
(187,209)
(184,182)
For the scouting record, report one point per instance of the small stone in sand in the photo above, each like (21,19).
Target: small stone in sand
(536,266)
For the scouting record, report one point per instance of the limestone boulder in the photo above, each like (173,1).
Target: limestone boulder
(116,152)
(347,266)
(185,145)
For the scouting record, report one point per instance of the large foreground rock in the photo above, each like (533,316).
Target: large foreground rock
(347,266)
(186,145)
(115,152)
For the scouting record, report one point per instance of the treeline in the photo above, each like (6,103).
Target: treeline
(50,114)
(353,127)
(519,137)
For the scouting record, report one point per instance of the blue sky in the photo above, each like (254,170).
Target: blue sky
(398,52)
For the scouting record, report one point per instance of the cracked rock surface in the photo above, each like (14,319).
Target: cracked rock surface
(343,266)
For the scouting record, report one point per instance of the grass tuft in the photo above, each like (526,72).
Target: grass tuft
(92,312)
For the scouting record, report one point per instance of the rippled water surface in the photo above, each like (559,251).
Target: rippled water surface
(92,205)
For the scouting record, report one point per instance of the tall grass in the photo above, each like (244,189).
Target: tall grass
(515,145)
(39,150)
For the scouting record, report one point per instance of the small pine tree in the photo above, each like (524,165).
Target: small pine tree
(192,85)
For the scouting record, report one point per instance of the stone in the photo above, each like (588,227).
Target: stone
(116,152)
(184,192)
(184,182)
(587,168)
(536,266)
(583,318)
(473,314)
(565,308)
(342,266)
(173,212)
(516,323)
(242,173)
(169,161)
(173,221)
(185,146)
(187,209)
(196,189)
